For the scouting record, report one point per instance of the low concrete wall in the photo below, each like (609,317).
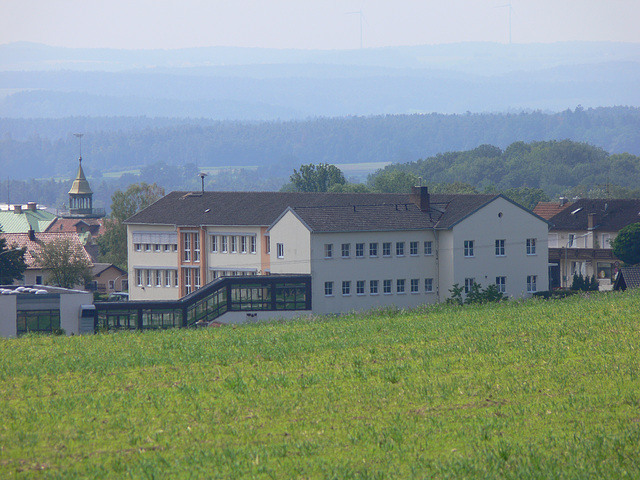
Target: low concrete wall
(8,316)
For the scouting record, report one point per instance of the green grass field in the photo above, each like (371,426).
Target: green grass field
(537,389)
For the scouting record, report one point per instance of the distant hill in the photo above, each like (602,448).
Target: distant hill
(47,148)
(226,83)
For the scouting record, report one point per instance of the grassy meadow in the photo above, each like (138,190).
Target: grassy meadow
(536,389)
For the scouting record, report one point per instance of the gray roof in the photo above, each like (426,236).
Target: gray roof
(321,211)
(610,215)
(628,277)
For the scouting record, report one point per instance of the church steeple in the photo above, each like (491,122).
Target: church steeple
(80,195)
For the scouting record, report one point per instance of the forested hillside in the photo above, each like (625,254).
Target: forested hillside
(46,148)
(555,167)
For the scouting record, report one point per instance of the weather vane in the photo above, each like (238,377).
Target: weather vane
(79,137)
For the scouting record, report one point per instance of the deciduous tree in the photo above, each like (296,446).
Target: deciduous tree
(113,243)
(12,263)
(66,263)
(626,245)
(316,178)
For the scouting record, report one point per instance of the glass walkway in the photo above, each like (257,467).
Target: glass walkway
(209,303)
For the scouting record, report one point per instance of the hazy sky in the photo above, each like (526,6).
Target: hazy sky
(312,24)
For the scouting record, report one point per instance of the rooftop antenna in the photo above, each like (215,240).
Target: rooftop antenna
(202,175)
(79,137)
(510,8)
(361,18)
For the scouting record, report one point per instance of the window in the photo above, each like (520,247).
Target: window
(157,247)
(400,285)
(328,250)
(214,244)
(234,244)
(187,280)
(243,244)
(359,250)
(400,249)
(428,285)
(167,278)
(360,287)
(253,244)
(280,250)
(501,283)
(468,283)
(186,254)
(139,277)
(39,280)
(167,248)
(572,240)
(176,278)
(158,278)
(149,278)
(196,247)
(346,287)
(415,285)
(386,286)
(225,243)
(531,283)
(427,248)
(531,246)
(413,248)
(196,278)
(328,289)
(606,240)
(468,248)
(373,249)
(138,247)
(147,247)
(373,287)
(499,248)
(386,249)
(346,249)
(175,247)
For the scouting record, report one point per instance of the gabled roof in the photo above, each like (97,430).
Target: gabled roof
(547,210)
(610,215)
(246,208)
(21,240)
(322,212)
(99,268)
(71,225)
(628,277)
(36,220)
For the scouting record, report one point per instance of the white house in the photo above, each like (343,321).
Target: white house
(362,250)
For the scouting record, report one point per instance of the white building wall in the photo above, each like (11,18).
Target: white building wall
(230,260)
(150,260)
(8,316)
(502,220)
(393,267)
(70,310)
(296,241)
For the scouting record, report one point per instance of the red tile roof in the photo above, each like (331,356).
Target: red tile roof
(547,210)
(20,240)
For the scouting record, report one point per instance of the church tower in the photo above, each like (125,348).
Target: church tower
(80,195)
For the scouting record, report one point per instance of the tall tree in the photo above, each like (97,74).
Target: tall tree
(316,178)
(626,245)
(12,263)
(392,181)
(67,264)
(113,243)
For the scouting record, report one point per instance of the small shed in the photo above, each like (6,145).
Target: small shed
(628,277)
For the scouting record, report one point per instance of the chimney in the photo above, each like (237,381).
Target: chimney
(33,206)
(32,235)
(420,196)
(17,209)
(591,222)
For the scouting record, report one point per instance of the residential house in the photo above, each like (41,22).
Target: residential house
(35,275)
(580,239)
(362,250)
(20,218)
(108,278)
